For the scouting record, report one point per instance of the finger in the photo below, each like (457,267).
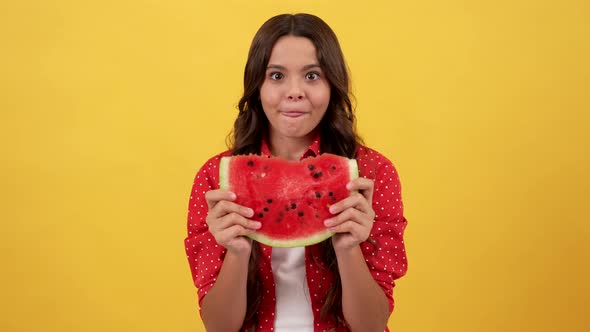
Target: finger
(233,219)
(355,229)
(226,207)
(214,196)
(231,233)
(356,200)
(350,214)
(364,186)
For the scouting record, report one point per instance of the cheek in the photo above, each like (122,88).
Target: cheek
(268,96)
(321,97)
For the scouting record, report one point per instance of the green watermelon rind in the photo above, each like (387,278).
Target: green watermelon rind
(223,172)
(298,242)
(353,169)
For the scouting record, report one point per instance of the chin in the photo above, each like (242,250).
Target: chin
(295,133)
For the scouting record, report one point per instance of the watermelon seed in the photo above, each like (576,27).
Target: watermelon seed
(286,207)
(269,201)
(265,209)
(311,167)
(261,215)
(333,167)
(318,195)
(300,213)
(317,175)
(250,163)
(317,216)
(293,206)
(331,193)
(281,214)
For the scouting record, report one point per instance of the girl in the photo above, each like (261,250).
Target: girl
(296,104)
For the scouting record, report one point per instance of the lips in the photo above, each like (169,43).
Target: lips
(293,114)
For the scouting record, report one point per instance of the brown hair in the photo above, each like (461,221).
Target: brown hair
(337,127)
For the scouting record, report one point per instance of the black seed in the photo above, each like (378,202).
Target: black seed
(318,195)
(287,208)
(317,215)
(281,214)
(331,193)
(269,201)
(293,206)
(300,214)
(333,199)
(261,215)
(250,163)
(311,167)
(265,209)
(317,175)
(333,168)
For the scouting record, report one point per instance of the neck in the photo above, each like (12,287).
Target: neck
(289,148)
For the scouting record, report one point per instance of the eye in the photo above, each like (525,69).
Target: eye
(312,76)
(276,76)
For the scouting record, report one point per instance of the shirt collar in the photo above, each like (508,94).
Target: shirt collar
(312,150)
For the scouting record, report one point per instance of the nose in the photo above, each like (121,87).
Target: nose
(295,92)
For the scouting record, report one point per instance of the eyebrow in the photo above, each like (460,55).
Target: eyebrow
(306,67)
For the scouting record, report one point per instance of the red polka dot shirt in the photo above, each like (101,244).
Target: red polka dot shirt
(387,261)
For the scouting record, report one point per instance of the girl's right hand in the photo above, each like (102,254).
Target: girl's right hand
(228,222)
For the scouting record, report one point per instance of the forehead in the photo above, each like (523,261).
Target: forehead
(293,50)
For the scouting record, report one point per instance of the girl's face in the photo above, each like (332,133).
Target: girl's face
(295,94)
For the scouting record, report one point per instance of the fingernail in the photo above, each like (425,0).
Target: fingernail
(250,212)
(257,224)
(332,209)
(349,185)
(233,196)
(328,222)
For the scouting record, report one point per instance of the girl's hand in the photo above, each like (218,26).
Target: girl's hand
(354,216)
(228,222)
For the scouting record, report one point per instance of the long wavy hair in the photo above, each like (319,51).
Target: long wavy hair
(337,128)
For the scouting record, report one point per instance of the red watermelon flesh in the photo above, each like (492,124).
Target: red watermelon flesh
(290,199)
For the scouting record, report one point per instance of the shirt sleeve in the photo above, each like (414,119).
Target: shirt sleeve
(386,257)
(204,255)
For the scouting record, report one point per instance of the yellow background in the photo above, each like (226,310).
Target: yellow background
(108,108)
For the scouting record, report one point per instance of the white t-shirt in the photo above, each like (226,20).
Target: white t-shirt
(293,305)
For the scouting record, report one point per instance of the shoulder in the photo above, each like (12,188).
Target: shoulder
(367,154)
(373,164)
(209,171)
(213,162)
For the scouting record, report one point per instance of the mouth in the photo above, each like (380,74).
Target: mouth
(293,114)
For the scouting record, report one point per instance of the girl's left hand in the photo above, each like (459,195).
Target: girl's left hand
(354,216)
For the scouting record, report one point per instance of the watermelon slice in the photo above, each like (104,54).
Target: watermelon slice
(290,199)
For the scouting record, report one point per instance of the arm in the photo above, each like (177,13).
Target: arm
(364,304)
(368,271)
(217,252)
(224,307)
